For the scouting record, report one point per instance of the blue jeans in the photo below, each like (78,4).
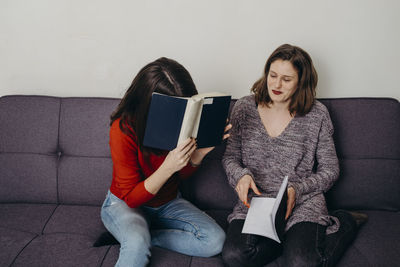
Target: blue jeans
(177,225)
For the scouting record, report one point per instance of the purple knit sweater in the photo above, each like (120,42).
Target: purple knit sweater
(305,141)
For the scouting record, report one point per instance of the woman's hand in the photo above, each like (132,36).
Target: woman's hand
(200,153)
(290,202)
(179,157)
(243,186)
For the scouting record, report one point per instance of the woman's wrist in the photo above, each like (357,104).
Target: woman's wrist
(194,164)
(196,158)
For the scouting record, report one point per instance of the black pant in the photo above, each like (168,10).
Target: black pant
(305,244)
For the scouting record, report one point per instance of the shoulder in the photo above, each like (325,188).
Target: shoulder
(319,114)
(242,107)
(318,110)
(244,103)
(116,133)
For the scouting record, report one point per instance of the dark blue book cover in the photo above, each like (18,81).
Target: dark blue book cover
(164,121)
(166,117)
(213,121)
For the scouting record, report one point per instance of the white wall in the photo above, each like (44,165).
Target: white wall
(95,48)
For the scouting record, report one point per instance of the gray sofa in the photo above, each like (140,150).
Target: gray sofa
(55,169)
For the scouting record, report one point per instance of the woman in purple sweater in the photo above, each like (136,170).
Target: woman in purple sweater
(283,130)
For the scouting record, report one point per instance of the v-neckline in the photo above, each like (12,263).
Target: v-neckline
(265,128)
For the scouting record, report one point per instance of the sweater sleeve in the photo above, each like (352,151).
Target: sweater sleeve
(232,159)
(327,163)
(128,177)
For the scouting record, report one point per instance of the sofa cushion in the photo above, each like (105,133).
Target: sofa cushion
(215,261)
(208,187)
(85,168)
(83,220)
(28,148)
(367,140)
(29,124)
(30,218)
(12,242)
(366,127)
(61,250)
(28,178)
(366,183)
(84,180)
(379,236)
(159,257)
(84,126)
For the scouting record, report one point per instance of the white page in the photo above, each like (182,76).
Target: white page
(190,119)
(259,220)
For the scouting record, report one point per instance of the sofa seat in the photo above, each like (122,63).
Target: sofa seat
(372,240)
(61,249)
(55,170)
(30,218)
(76,219)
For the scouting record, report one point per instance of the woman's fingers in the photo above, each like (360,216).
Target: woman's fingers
(290,202)
(228,127)
(189,147)
(254,188)
(242,192)
(185,146)
(226,134)
(192,149)
(289,209)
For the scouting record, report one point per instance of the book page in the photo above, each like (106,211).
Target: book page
(259,218)
(196,123)
(190,119)
(211,94)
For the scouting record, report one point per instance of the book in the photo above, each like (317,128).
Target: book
(171,120)
(266,216)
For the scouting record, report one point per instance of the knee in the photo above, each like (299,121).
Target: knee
(233,255)
(136,239)
(300,258)
(214,242)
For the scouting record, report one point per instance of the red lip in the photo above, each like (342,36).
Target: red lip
(276,92)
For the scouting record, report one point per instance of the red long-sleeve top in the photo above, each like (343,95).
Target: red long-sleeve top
(131,168)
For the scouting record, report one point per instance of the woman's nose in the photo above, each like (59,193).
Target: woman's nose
(278,83)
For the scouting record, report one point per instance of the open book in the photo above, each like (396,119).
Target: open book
(173,119)
(266,216)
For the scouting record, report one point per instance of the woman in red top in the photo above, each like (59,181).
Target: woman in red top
(143,207)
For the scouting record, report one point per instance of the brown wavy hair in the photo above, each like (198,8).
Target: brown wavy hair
(165,76)
(303,98)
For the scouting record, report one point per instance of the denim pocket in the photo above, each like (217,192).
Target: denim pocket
(110,200)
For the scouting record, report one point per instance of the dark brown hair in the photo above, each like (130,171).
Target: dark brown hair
(303,98)
(165,76)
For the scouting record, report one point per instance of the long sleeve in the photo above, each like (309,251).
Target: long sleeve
(232,159)
(327,163)
(128,177)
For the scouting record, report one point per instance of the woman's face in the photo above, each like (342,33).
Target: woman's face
(282,81)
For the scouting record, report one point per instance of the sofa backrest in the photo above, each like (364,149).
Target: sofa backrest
(55,150)
(367,140)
